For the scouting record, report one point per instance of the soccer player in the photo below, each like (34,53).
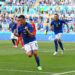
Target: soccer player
(12,27)
(33,24)
(20,37)
(57,24)
(30,43)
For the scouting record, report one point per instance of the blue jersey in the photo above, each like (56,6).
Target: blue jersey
(25,35)
(58,26)
(13,26)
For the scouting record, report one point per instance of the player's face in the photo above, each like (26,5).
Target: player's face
(30,21)
(12,20)
(56,17)
(22,21)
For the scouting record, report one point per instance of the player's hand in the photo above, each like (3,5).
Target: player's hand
(68,30)
(26,28)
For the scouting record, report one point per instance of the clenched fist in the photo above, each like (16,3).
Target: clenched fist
(26,28)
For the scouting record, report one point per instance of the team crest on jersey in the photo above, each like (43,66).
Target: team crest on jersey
(24,32)
(56,25)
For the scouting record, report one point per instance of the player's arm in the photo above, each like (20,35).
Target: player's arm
(9,27)
(51,26)
(16,33)
(30,33)
(67,27)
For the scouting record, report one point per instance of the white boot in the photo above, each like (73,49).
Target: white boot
(55,53)
(62,52)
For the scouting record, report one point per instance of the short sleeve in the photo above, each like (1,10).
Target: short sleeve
(30,28)
(63,21)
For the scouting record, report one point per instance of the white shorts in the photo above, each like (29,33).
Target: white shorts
(13,36)
(31,46)
(58,36)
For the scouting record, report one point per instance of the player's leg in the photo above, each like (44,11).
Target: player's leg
(29,54)
(13,40)
(35,48)
(28,49)
(37,59)
(61,46)
(60,43)
(56,45)
(22,43)
(17,42)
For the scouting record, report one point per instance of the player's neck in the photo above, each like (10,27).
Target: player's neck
(12,22)
(57,20)
(24,24)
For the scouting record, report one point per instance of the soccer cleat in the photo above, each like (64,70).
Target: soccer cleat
(22,47)
(55,53)
(62,52)
(15,46)
(39,68)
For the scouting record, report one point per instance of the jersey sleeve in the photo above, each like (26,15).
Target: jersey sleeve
(63,21)
(30,28)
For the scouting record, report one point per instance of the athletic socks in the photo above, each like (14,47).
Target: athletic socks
(61,45)
(56,45)
(37,61)
(13,41)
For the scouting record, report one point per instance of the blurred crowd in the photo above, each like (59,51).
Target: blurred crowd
(56,2)
(42,22)
(41,2)
(20,2)
(41,16)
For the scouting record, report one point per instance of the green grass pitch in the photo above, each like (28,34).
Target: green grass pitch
(14,61)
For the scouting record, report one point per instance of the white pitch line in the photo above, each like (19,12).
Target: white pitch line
(63,73)
(26,71)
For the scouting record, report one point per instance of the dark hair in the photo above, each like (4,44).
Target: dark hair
(22,16)
(57,14)
(31,19)
(12,18)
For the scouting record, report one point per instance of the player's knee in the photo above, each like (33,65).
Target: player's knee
(59,40)
(35,54)
(29,55)
(56,39)
(11,39)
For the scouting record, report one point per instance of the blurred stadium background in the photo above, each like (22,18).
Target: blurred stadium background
(42,12)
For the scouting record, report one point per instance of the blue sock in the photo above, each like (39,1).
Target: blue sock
(56,45)
(61,45)
(13,41)
(37,61)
